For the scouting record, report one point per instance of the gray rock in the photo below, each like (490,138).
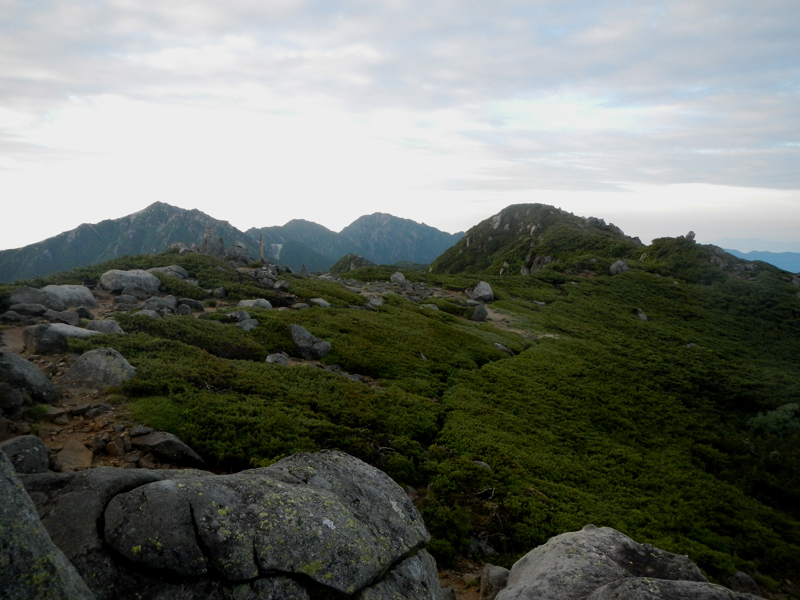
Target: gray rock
(29,295)
(183,310)
(72,295)
(11,316)
(640,314)
(30,309)
(116,280)
(415,578)
(238,316)
(309,346)
(74,456)
(22,375)
(27,453)
(69,317)
(239,253)
(168,447)
(31,566)
(481,291)
(105,326)
(71,504)
(618,267)
(126,299)
(136,292)
(397,277)
(212,243)
(155,303)
(321,302)
(11,401)
(573,565)
(742,582)
(493,580)
(174,270)
(257,303)
(141,430)
(481,313)
(280,358)
(327,515)
(648,588)
(99,369)
(449,593)
(192,303)
(84,313)
(51,338)
(429,306)
(247,324)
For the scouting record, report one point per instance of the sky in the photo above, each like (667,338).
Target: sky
(660,117)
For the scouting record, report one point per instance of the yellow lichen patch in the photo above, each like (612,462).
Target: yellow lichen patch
(311,568)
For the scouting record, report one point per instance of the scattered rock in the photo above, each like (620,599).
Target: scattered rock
(322,303)
(157,304)
(127,299)
(32,565)
(192,303)
(99,369)
(150,314)
(70,317)
(247,324)
(481,313)
(72,295)
(11,400)
(22,375)
(73,457)
(397,277)
(493,580)
(742,582)
(169,447)
(105,326)
(238,316)
(30,309)
(51,338)
(136,279)
(256,303)
(618,267)
(29,295)
(280,358)
(481,291)
(174,270)
(141,430)
(309,346)
(27,453)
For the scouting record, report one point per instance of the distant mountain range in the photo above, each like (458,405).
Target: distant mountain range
(381,238)
(788,261)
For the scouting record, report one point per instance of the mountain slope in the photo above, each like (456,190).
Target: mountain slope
(526,237)
(148,231)
(788,261)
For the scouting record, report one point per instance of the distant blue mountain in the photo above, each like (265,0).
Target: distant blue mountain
(788,261)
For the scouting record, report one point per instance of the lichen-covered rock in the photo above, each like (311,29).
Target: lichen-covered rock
(648,588)
(99,369)
(31,565)
(573,565)
(309,346)
(51,338)
(27,453)
(72,295)
(22,375)
(138,279)
(29,295)
(415,578)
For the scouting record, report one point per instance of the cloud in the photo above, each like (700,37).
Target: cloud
(374,102)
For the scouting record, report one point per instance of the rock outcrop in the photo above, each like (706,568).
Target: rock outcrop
(309,526)
(22,375)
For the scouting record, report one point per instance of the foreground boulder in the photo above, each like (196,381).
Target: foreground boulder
(31,565)
(22,375)
(52,338)
(27,453)
(481,291)
(99,369)
(309,526)
(600,563)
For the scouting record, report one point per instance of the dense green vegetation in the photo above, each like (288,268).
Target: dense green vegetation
(682,430)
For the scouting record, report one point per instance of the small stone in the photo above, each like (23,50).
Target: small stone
(73,457)
(141,430)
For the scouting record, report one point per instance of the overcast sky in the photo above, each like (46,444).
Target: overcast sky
(657,116)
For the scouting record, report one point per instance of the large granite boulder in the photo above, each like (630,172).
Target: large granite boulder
(27,453)
(72,295)
(99,369)
(309,526)
(621,266)
(174,270)
(22,375)
(309,346)
(138,279)
(52,338)
(31,565)
(647,588)
(29,295)
(573,565)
